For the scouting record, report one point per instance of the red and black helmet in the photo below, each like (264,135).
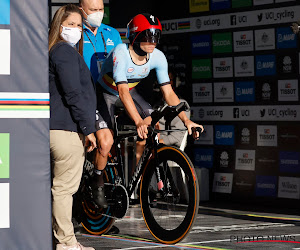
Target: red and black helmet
(144,28)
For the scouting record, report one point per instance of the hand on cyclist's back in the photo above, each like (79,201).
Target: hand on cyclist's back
(90,142)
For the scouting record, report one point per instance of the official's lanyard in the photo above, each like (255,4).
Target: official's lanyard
(105,49)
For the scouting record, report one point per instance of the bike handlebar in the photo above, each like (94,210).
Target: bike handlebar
(169,112)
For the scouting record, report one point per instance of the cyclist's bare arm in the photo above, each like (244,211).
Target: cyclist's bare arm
(173,100)
(141,125)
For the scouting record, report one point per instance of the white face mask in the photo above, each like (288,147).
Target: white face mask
(71,35)
(94,19)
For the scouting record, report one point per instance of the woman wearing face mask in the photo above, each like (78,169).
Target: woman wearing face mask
(72,122)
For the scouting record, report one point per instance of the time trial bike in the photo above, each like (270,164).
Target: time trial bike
(168,186)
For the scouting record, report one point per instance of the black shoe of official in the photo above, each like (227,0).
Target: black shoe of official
(99,196)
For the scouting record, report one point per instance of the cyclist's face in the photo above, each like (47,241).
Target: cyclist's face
(147,47)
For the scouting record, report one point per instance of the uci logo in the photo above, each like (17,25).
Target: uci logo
(170,26)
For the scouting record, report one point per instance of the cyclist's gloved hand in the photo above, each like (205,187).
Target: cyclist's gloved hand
(189,124)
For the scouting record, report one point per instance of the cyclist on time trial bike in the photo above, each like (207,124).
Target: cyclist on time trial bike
(122,70)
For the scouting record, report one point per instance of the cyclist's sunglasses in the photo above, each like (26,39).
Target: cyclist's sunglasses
(151,35)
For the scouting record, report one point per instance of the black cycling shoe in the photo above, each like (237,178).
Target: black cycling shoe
(99,196)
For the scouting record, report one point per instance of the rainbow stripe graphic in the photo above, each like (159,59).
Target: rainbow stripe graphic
(24,105)
(184,25)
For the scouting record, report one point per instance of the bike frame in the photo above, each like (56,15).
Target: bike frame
(150,148)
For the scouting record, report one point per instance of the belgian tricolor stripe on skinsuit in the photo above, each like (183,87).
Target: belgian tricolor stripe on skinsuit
(108,80)
(24,105)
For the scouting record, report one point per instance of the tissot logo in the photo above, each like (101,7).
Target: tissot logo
(222,67)
(288,90)
(222,183)
(243,41)
(245,159)
(202,92)
(267,136)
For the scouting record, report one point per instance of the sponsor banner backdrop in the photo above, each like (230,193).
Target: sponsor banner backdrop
(222,183)
(245,91)
(219,4)
(222,42)
(243,41)
(237,20)
(289,162)
(201,45)
(4,51)
(4,155)
(245,159)
(266,91)
(224,135)
(289,187)
(244,66)
(202,92)
(266,186)
(201,69)
(261,2)
(223,92)
(288,90)
(243,184)
(25,172)
(204,157)
(222,67)
(207,137)
(246,113)
(5,12)
(224,159)
(267,136)
(199,5)
(246,135)
(286,38)
(4,208)
(264,39)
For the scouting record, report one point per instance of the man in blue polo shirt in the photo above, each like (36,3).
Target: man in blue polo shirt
(99,38)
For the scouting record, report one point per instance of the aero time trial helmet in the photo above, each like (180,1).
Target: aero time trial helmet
(144,28)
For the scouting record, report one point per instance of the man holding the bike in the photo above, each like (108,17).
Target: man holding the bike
(123,69)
